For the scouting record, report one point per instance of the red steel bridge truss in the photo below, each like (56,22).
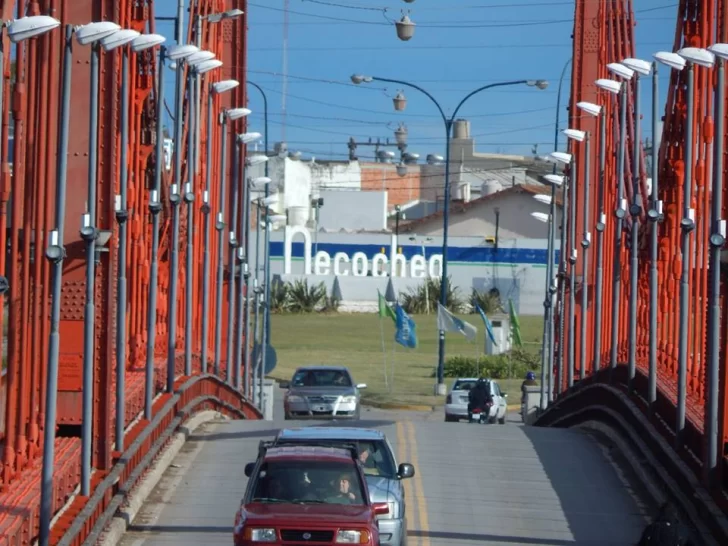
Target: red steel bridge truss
(603,34)
(31,106)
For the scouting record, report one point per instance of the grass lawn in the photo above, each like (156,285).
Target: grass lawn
(354,340)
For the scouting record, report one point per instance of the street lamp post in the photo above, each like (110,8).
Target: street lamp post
(717,240)
(581,136)
(597,110)
(175,199)
(619,213)
(225,116)
(639,67)
(440,388)
(215,89)
(265,335)
(138,43)
(17,31)
(244,257)
(705,58)
(257,183)
(174,53)
(198,69)
(547,344)
(90,35)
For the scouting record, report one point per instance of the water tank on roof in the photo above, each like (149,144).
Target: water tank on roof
(490,187)
(461,128)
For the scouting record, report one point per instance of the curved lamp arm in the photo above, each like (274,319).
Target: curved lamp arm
(259,88)
(501,84)
(444,117)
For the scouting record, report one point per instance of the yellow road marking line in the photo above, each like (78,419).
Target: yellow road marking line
(421,500)
(406,484)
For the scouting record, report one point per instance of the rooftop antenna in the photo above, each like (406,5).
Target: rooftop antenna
(285,70)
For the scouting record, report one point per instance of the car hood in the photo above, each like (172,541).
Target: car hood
(322,391)
(378,489)
(307,514)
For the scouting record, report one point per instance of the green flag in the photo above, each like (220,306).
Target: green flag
(384,309)
(515,325)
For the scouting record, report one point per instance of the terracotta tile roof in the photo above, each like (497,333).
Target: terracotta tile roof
(459,206)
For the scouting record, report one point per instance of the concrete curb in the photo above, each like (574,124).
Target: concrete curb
(135,500)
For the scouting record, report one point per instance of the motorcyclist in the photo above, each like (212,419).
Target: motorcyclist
(478,396)
(530,381)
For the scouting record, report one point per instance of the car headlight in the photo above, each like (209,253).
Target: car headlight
(294,398)
(261,535)
(349,536)
(348,399)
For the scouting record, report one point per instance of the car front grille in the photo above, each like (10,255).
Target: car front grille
(307,536)
(323,399)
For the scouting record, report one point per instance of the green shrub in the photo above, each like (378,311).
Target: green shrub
(279,296)
(306,299)
(504,366)
(424,298)
(489,302)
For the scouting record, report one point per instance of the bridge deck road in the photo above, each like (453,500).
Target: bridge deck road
(474,484)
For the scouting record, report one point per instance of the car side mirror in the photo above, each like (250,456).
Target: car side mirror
(249,469)
(405,470)
(380,508)
(284,384)
(361,386)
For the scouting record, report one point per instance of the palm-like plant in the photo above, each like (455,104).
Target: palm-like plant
(306,299)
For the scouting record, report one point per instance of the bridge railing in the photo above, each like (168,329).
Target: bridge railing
(65,135)
(641,290)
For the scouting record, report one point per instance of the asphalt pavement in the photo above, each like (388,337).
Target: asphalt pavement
(474,484)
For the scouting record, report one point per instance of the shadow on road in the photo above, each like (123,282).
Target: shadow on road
(592,492)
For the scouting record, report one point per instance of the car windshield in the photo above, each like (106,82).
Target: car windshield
(308,482)
(464,384)
(375,458)
(321,378)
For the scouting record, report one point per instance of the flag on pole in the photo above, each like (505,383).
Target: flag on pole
(406,333)
(384,309)
(450,323)
(515,325)
(488,325)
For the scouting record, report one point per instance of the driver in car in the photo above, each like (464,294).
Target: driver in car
(366,458)
(344,495)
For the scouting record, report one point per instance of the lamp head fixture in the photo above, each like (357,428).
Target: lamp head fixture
(609,85)
(575,134)
(590,108)
(620,70)
(638,65)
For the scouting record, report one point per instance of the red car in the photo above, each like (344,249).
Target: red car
(306,494)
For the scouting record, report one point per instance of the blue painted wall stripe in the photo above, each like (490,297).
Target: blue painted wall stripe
(532,256)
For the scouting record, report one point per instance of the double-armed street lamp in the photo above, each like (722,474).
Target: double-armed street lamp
(440,388)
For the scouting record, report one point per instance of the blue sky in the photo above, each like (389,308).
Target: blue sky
(458,46)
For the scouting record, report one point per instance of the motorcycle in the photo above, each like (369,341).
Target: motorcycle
(480,415)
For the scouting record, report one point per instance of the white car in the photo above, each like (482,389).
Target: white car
(456,404)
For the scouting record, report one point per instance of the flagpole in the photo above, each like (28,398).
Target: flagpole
(384,352)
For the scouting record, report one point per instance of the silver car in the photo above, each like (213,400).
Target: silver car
(384,476)
(321,391)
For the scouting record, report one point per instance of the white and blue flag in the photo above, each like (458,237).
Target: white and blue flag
(450,323)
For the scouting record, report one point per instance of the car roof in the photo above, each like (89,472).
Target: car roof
(331,433)
(308,452)
(321,367)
